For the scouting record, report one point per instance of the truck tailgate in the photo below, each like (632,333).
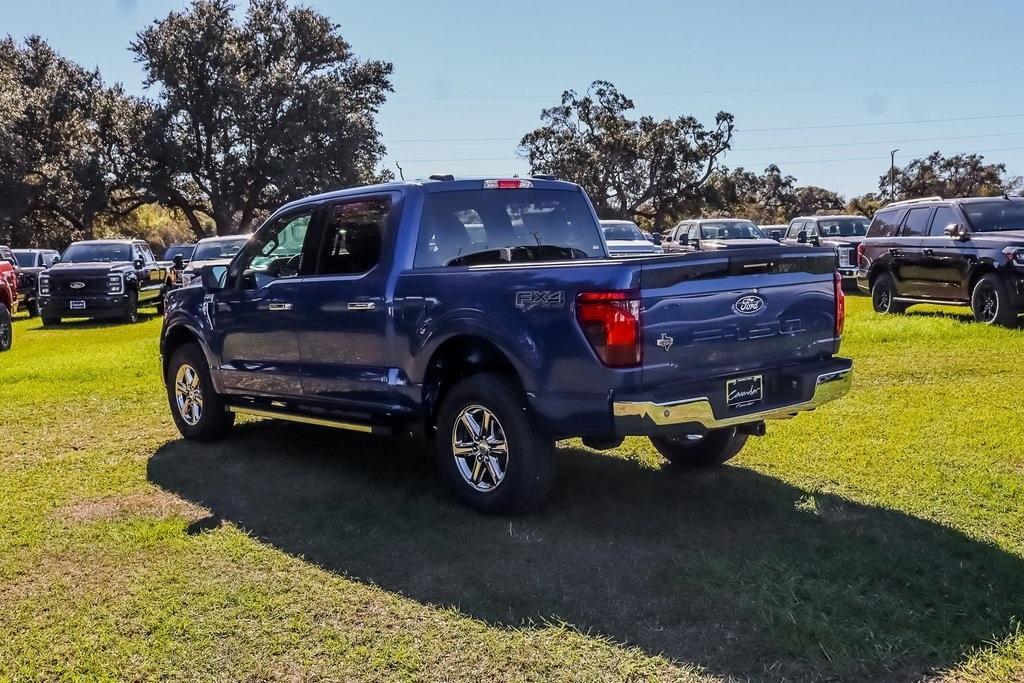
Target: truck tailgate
(722,314)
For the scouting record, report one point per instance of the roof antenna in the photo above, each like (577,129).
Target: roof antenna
(401,173)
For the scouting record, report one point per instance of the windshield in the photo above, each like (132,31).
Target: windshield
(219,249)
(182,250)
(86,252)
(625,232)
(733,230)
(995,216)
(843,227)
(27,259)
(493,226)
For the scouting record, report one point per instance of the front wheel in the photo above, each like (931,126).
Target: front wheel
(695,450)
(131,309)
(6,329)
(990,302)
(50,321)
(198,410)
(489,449)
(33,309)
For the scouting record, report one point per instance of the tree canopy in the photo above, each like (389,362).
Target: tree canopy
(254,113)
(631,167)
(960,175)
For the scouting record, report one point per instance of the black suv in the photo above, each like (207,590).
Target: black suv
(102,279)
(841,232)
(947,251)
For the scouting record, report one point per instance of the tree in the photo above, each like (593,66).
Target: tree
(630,167)
(811,199)
(56,123)
(961,175)
(765,198)
(255,113)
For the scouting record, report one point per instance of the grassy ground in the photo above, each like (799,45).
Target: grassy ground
(881,537)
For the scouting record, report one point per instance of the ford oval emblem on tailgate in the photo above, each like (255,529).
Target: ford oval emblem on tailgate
(748,305)
(77,285)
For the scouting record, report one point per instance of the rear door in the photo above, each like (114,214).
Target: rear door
(907,258)
(343,310)
(720,315)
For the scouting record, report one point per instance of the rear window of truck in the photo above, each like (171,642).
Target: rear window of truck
(472,227)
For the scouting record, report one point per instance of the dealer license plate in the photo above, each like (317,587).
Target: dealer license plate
(744,391)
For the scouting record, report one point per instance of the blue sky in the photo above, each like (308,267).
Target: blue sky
(842,79)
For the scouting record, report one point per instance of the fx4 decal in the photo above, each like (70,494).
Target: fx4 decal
(528,300)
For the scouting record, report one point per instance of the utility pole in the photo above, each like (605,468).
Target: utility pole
(892,175)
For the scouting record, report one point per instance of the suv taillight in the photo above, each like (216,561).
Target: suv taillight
(840,303)
(860,255)
(611,323)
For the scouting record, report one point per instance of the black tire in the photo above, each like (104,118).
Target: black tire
(33,309)
(883,294)
(131,309)
(160,306)
(51,321)
(213,419)
(990,302)
(527,456)
(6,329)
(713,448)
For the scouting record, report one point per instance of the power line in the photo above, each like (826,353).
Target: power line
(728,91)
(874,142)
(757,130)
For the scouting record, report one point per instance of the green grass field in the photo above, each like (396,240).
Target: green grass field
(880,538)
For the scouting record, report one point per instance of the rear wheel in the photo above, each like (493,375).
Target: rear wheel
(33,309)
(198,410)
(693,450)
(489,449)
(990,302)
(51,321)
(883,296)
(6,329)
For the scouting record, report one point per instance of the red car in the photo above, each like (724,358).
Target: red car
(8,295)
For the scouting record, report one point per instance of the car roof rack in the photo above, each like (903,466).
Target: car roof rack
(920,200)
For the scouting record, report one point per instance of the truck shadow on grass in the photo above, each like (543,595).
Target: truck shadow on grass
(731,570)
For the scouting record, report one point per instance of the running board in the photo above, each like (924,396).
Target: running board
(310,420)
(934,302)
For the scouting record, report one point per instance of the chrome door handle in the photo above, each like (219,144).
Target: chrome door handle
(280,307)
(362,306)
(928,252)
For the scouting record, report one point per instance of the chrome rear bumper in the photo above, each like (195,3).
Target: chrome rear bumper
(829,387)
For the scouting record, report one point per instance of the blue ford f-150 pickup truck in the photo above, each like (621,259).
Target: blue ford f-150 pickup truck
(487,315)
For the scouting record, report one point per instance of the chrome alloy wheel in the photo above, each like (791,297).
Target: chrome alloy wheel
(480,448)
(188,394)
(883,298)
(986,302)
(6,334)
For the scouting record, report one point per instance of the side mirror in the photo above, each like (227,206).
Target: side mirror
(684,240)
(178,261)
(138,264)
(56,260)
(213,277)
(801,237)
(956,230)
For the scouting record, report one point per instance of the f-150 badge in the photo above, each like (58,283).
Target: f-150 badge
(528,300)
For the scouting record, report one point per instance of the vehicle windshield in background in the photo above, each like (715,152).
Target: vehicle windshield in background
(220,249)
(87,253)
(624,232)
(184,252)
(469,227)
(995,216)
(730,231)
(843,227)
(27,259)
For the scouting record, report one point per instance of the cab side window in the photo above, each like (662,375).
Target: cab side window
(794,229)
(943,217)
(275,251)
(916,223)
(353,237)
(885,223)
(694,232)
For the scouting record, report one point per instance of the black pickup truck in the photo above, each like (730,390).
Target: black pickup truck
(102,279)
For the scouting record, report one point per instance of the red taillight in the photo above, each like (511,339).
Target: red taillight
(611,322)
(840,304)
(860,255)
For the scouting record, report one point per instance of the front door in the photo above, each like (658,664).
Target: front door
(150,282)
(342,325)
(946,261)
(255,316)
